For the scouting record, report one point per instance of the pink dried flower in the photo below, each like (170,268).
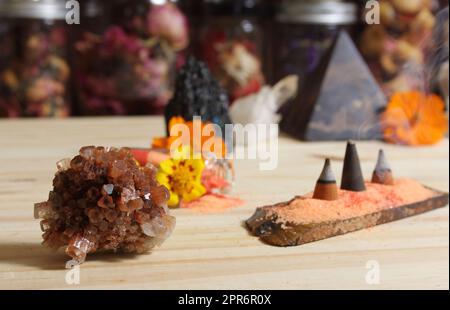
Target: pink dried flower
(116,38)
(168,22)
(102,105)
(9,108)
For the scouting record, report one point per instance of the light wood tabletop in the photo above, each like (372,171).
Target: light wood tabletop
(214,251)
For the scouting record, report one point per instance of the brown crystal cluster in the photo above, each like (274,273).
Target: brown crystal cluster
(103,199)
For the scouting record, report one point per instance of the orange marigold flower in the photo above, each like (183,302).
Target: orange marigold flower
(414,118)
(208,139)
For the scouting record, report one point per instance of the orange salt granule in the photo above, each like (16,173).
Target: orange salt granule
(212,203)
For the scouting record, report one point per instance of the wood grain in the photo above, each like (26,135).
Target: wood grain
(214,250)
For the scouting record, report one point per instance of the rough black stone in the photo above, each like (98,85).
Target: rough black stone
(197,93)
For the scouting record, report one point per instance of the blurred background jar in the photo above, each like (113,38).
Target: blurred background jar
(9,107)
(305,30)
(231,43)
(36,76)
(129,67)
(397,48)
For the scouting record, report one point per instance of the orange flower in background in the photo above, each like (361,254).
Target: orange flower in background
(414,118)
(206,142)
(165,142)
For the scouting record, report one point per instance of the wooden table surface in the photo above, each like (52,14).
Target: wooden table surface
(214,251)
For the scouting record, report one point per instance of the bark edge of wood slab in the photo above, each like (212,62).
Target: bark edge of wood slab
(290,234)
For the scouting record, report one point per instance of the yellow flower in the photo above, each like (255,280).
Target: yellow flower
(182,177)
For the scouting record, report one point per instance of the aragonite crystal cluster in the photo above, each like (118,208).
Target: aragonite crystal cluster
(103,199)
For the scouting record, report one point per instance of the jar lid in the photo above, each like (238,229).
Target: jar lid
(92,8)
(327,12)
(235,7)
(41,9)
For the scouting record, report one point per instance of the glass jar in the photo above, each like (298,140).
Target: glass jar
(38,72)
(193,9)
(9,107)
(305,30)
(6,43)
(129,68)
(397,49)
(231,43)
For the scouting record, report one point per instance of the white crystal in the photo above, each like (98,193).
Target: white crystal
(159,227)
(147,228)
(63,164)
(108,188)
(41,209)
(262,107)
(44,225)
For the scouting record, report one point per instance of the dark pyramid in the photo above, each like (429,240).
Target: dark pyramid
(339,101)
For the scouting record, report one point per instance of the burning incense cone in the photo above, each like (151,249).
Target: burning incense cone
(382,173)
(352,177)
(326,188)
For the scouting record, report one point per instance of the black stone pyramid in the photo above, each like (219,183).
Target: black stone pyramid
(340,101)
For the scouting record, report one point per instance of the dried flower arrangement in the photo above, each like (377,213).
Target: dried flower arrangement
(129,70)
(35,81)
(235,64)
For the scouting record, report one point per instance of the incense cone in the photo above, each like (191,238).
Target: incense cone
(352,177)
(382,174)
(326,188)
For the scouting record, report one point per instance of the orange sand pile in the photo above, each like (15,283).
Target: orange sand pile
(212,203)
(377,197)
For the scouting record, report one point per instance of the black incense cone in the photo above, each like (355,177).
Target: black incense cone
(326,188)
(382,174)
(352,177)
